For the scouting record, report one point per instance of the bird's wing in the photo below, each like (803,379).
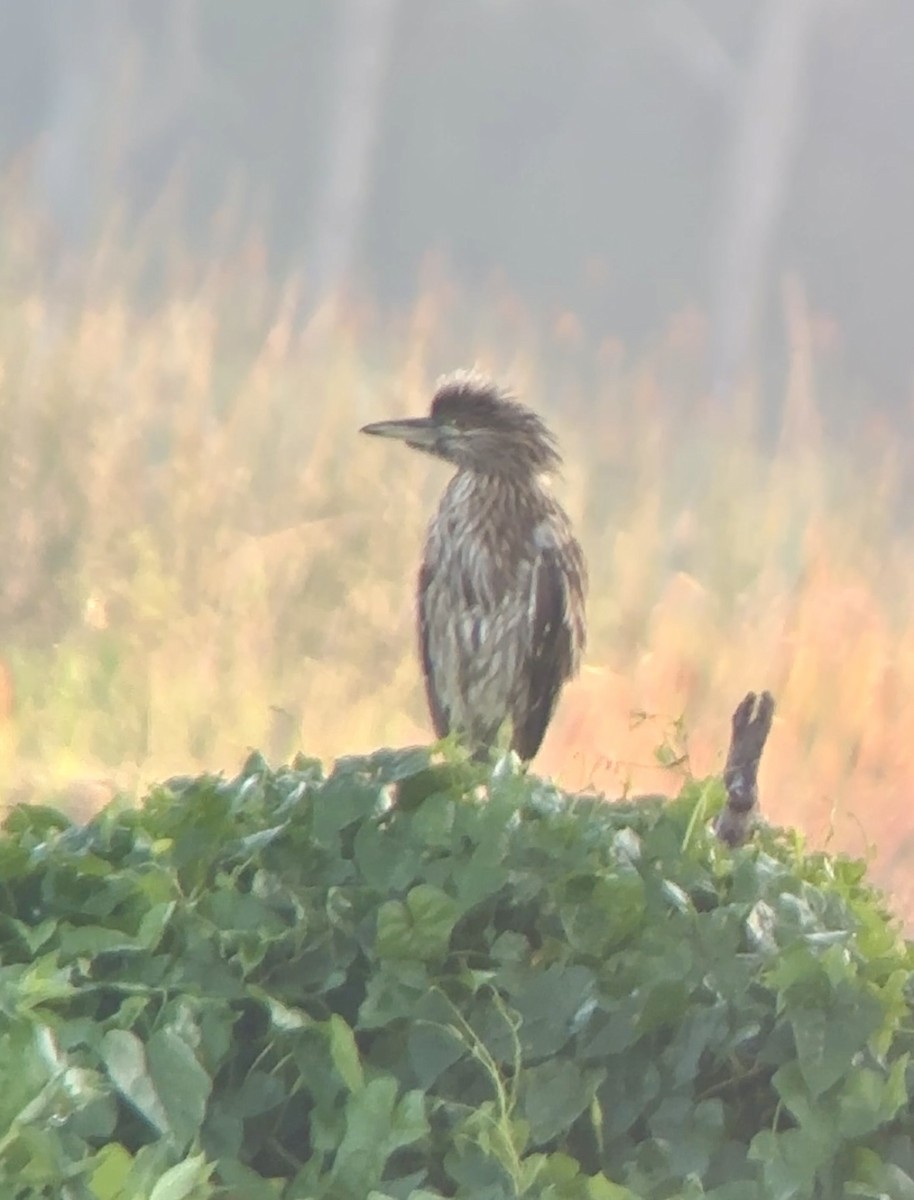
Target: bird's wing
(557,639)
(439,714)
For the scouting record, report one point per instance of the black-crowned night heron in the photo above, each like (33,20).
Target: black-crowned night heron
(503,580)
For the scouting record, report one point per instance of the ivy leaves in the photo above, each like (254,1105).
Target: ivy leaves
(412,979)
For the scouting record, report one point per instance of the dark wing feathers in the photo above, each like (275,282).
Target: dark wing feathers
(439,714)
(555,648)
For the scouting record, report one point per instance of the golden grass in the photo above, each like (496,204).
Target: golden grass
(201,555)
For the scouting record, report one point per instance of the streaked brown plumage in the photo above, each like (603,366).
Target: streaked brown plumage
(503,582)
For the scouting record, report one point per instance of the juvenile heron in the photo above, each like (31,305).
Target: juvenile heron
(503,580)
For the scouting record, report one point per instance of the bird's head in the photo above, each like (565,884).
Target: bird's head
(478,426)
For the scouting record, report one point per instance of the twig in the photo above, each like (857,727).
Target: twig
(751,726)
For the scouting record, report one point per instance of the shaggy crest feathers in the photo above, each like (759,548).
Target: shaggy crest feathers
(472,401)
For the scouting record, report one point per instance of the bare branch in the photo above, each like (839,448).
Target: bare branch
(751,726)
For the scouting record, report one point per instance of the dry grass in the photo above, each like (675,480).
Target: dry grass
(201,555)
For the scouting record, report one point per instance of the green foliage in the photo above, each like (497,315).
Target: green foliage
(292,985)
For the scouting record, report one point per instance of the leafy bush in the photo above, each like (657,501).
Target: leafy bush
(395,982)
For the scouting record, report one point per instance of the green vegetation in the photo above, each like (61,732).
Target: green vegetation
(376,983)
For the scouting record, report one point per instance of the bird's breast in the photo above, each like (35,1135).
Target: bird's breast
(476,614)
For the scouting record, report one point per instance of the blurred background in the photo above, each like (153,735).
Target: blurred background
(233,233)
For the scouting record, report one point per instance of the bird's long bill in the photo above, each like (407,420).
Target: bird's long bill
(416,431)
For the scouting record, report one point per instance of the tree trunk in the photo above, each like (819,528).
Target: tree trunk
(758,174)
(364,51)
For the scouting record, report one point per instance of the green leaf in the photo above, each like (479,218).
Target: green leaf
(255,842)
(602,913)
(432,1049)
(89,940)
(124,1056)
(39,820)
(790,1162)
(345,799)
(387,859)
(600,1188)
(388,766)
(345,1053)
(180,1081)
(259,1093)
(548,1002)
(828,1039)
(34,936)
(376,1125)
(154,923)
(109,1171)
(419,928)
(182,1180)
(416,789)
(241,1183)
(870,1098)
(39,983)
(555,1094)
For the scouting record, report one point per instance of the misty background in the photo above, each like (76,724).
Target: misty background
(622,161)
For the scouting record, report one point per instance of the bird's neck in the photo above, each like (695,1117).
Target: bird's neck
(506,479)
(507,491)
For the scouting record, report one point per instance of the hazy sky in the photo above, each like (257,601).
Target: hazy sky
(621,160)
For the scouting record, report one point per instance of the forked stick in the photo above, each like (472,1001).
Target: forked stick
(751,726)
